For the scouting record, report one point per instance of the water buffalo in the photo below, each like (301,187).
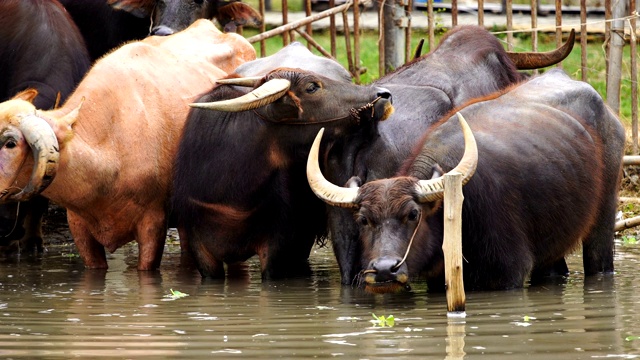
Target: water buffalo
(40,48)
(239,181)
(169,16)
(550,155)
(468,63)
(107,24)
(107,154)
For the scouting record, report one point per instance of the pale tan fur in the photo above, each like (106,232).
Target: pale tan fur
(116,159)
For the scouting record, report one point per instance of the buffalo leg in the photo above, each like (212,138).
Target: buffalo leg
(597,247)
(187,259)
(346,244)
(152,233)
(91,251)
(207,263)
(34,211)
(558,268)
(278,261)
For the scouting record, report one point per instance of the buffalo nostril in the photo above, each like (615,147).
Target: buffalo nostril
(161,31)
(384,93)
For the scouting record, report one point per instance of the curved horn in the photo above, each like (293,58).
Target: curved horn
(243,81)
(536,60)
(433,189)
(44,145)
(324,189)
(267,93)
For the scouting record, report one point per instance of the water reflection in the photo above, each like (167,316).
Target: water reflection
(51,307)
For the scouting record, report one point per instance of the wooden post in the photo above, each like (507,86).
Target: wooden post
(559,27)
(394,36)
(583,39)
(617,43)
(452,245)
(633,43)
(509,10)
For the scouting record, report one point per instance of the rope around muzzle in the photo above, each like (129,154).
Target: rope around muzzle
(406,254)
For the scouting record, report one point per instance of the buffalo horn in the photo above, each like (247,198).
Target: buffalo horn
(324,189)
(433,189)
(243,81)
(44,145)
(537,60)
(267,93)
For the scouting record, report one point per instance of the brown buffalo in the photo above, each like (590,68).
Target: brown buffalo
(240,186)
(107,154)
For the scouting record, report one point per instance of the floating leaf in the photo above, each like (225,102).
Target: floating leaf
(175,294)
(383,321)
(632,338)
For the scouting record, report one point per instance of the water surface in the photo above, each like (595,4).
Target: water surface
(53,308)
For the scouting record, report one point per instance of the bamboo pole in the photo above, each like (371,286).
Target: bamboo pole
(286,36)
(357,69)
(452,245)
(627,223)
(286,28)
(534,26)
(583,39)
(454,13)
(263,28)
(509,10)
(558,5)
(332,29)
(309,30)
(432,25)
(616,45)
(633,43)
(631,160)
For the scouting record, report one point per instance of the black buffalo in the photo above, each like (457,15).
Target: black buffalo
(42,49)
(469,62)
(549,165)
(239,183)
(107,24)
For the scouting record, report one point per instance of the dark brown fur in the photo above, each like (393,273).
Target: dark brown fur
(256,160)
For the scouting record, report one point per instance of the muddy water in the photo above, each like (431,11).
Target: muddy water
(52,308)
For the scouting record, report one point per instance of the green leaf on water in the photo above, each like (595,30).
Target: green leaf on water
(632,338)
(383,321)
(177,294)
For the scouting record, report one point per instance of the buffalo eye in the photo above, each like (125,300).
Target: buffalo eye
(413,215)
(363,221)
(312,87)
(10,144)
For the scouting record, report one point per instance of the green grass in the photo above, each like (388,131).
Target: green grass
(596,74)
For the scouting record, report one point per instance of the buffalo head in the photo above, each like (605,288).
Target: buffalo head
(23,132)
(171,16)
(390,213)
(297,97)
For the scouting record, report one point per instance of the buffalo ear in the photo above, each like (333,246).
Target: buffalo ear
(137,8)
(26,95)
(354,182)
